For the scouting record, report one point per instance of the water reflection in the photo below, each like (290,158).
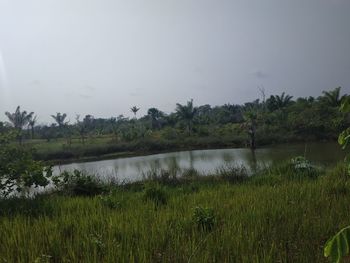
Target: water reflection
(206,161)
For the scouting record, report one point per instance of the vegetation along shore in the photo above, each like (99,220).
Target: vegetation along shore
(277,119)
(285,212)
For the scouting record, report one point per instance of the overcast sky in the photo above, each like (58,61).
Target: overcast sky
(101,57)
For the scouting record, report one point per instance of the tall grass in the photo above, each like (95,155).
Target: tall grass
(274,217)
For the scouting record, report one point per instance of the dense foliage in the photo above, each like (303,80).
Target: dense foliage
(338,246)
(279,118)
(18,170)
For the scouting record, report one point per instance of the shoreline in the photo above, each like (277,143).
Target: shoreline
(128,154)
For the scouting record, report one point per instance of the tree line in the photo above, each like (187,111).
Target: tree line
(278,115)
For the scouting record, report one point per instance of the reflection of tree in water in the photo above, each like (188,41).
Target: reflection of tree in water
(254,163)
(191,159)
(172,165)
(154,165)
(249,159)
(227,157)
(115,172)
(204,155)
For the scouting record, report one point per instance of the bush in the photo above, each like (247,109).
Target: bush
(18,171)
(302,166)
(204,218)
(78,183)
(156,194)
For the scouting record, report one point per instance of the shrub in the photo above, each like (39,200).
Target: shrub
(303,166)
(204,218)
(18,171)
(79,183)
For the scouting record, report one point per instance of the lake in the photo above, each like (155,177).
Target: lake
(206,161)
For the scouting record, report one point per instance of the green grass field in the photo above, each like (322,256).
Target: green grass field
(269,218)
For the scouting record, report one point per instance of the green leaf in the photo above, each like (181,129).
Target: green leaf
(345,106)
(344,138)
(338,246)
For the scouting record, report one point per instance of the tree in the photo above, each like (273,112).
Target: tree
(82,127)
(19,120)
(186,113)
(60,119)
(134,109)
(155,115)
(203,114)
(18,170)
(276,102)
(251,121)
(32,123)
(333,98)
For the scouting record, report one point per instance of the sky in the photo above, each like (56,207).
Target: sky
(102,57)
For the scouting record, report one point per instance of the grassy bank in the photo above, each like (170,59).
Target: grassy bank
(276,216)
(107,147)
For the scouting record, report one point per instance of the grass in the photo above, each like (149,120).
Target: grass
(106,147)
(272,217)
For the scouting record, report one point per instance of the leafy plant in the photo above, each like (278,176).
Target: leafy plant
(301,163)
(18,171)
(344,137)
(338,246)
(204,218)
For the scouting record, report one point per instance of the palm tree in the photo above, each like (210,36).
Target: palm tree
(187,114)
(134,109)
(32,123)
(333,98)
(19,120)
(154,115)
(276,102)
(60,119)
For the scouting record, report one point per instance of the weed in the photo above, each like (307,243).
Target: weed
(204,218)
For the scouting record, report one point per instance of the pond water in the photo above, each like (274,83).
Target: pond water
(206,161)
